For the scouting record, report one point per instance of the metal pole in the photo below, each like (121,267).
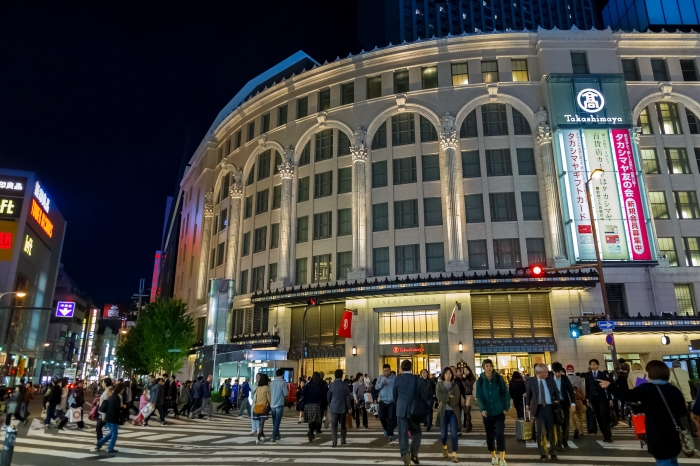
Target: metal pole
(8,447)
(599,266)
(303,338)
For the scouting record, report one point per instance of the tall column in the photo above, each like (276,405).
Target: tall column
(452,191)
(208,214)
(359,208)
(235,191)
(286,169)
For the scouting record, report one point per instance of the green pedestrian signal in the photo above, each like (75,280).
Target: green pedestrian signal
(574,330)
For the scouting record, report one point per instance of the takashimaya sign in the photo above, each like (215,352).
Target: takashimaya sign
(591,101)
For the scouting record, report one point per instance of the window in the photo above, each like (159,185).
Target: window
(379,139)
(429,77)
(579,63)
(502,207)
(278,162)
(259,239)
(650,163)
(687,204)
(460,74)
(276,197)
(344,265)
(272,273)
(432,211)
(531,205)
(322,225)
(274,236)
(248,209)
(282,115)
(379,174)
(212,259)
(630,69)
(324,145)
(478,254)
(264,164)
(407,259)
(344,222)
(220,256)
(693,122)
(431,167)
(380,262)
(697,155)
(692,251)
(215,228)
(428,133)
(494,119)
(526,162)
(237,139)
(262,202)
(405,214)
(257,279)
(303,229)
(402,129)
(404,170)
(303,189)
(374,87)
(380,217)
(343,144)
(667,247)
(669,118)
(474,208)
(435,257)
(344,180)
(321,268)
(520,70)
(677,160)
(498,162)
(400,81)
(520,124)
(506,253)
(408,327)
(264,125)
(685,299)
(690,73)
(535,251)
(489,71)
(471,166)
(251,132)
(324,100)
(323,184)
(305,157)
(222,226)
(347,93)
(658,67)
(245,248)
(244,282)
(468,127)
(251,176)
(616,299)
(302,107)
(644,122)
(301,275)
(657,202)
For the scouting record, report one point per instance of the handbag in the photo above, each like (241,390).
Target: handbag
(558,414)
(147,409)
(261,410)
(687,443)
(75,414)
(417,409)
(348,421)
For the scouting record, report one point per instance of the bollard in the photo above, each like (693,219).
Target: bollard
(9,446)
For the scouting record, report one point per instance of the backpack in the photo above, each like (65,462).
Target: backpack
(93,409)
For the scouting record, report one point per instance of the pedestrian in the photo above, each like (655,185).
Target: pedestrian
(326,415)
(184,402)
(253,390)
(449,400)
(75,400)
(300,400)
(568,404)
(115,405)
(578,416)
(493,400)
(261,408)
(599,398)
(387,408)
(135,394)
(205,393)
(243,402)
(468,380)
(54,401)
(197,395)
(541,397)
(323,402)
(340,404)
(171,397)
(358,393)
(430,388)
(61,409)
(233,399)
(107,391)
(408,389)
(312,393)
(681,380)
(14,407)
(278,395)
(157,397)
(517,390)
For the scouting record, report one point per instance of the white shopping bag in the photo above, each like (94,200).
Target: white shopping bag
(148,409)
(75,414)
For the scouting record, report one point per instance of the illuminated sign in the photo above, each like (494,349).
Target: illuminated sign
(40,194)
(28,244)
(590,100)
(408,349)
(8,233)
(10,207)
(5,240)
(112,311)
(12,185)
(156,276)
(65,309)
(41,218)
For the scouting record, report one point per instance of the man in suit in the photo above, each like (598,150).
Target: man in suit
(568,403)
(406,387)
(598,398)
(541,395)
(339,404)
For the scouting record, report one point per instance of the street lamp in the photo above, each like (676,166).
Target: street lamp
(460,347)
(19,294)
(595,174)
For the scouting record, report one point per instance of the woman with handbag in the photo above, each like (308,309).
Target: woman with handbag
(261,408)
(14,408)
(449,397)
(468,381)
(358,393)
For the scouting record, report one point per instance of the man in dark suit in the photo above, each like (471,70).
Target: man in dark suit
(598,398)
(406,386)
(540,396)
(340,402)
(568,403)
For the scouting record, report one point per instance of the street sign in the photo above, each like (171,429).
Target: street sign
(606,326)
(610,340)
(174,351)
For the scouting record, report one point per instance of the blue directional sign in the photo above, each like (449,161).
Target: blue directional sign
(606,326)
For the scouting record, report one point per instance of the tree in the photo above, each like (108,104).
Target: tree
(130,354)
(165,325)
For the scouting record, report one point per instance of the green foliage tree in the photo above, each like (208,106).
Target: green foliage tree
(130,353)
(166,325)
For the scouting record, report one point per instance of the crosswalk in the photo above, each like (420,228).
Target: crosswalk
(227,440)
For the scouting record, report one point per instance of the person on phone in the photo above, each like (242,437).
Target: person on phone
(493,400)
(599,398)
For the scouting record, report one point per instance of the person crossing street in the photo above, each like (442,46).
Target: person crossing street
(387,407)
(205,396)
(542,397)
(278,394)
(340,404)
(410,395)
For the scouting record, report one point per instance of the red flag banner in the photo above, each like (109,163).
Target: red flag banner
(345,329)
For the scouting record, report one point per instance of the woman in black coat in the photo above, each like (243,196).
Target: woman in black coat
(114,406)
(517,390)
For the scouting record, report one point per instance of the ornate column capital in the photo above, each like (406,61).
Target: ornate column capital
(286,170)
(236,190)
(359,153)
(448,133)
(637,133)
(208,210)
(544,135)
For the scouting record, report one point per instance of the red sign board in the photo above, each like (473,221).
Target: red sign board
(408,349)
(113,311)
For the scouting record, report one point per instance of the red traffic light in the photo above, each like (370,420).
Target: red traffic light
(313,302)
(537,270)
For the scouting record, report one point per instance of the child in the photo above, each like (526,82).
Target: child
(143,401)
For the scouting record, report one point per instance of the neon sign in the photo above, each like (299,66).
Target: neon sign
(28,244)
(40,194)
(10,207)
(41,218)
(408,349)
(5,240)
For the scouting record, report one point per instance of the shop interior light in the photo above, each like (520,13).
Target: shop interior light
(460,347)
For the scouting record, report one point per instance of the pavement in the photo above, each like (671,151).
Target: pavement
(226,440)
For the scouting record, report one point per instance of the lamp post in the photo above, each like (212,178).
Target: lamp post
(595,174)
(20,294)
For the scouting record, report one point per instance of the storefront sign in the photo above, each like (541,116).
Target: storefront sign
(112,311)
(28,245)
(409,349)
(40,194)
(8,237)
(41,218)
(12,185)
(65,309)
(10,207)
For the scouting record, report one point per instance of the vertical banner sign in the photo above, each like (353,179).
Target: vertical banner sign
(605,196)
(345,329)
(631,195)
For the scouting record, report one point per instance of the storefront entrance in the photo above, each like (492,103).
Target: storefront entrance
(507,363)
(420,361)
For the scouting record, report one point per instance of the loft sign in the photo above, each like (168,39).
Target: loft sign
(591,101)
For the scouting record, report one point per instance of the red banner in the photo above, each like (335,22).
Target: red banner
(345,329)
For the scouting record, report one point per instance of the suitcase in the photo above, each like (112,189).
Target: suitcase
(591,425)
(523,427)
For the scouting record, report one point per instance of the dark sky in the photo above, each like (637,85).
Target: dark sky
(98,100)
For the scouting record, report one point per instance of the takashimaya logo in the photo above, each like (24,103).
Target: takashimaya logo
(590,100)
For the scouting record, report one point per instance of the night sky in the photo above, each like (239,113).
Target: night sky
(99,101)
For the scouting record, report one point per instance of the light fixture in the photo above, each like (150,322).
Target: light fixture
(47,344)
(21,294)
(597,173)
(460,346)
(665,340)
(354,350)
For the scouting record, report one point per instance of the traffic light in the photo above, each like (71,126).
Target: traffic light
(574,330)
(313,302)
(534,270)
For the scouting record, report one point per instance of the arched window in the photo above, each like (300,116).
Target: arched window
(468,128)
(520,124)
(644,122)
(379,138)
(693,122)
(494,119)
